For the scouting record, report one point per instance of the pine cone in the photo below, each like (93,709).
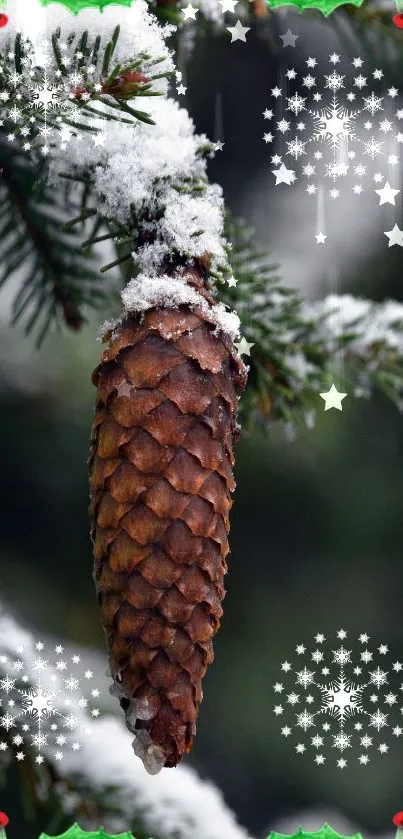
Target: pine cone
(161,478)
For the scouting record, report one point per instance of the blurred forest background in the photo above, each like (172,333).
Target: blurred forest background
(316,527)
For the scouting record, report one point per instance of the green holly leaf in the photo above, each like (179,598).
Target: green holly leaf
(324,832)
(75,832)
(76,5)
(324,6)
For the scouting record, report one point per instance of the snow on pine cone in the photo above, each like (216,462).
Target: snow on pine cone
(160,477)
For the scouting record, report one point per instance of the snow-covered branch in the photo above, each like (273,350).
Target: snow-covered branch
(369,323)
(151,179)
(149,184)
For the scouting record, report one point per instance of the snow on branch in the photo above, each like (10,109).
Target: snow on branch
(366,336)
(176,803)
(149,179)
(138,33)
(369,323)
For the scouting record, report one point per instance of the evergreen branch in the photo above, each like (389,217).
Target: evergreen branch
(84,215)
(113,85)
(295,344)
(110,48)
(57,53)
(57,278)
(291,359)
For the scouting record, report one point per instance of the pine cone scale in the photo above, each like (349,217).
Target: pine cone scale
(188,387)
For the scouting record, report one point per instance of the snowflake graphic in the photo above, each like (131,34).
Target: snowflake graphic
(335,81)
(40,102)
(341,701)
(40,706)
(335,125)
(45,95)
(296,104)
(373,104)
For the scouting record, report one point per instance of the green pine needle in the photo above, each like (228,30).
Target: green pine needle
(57,280)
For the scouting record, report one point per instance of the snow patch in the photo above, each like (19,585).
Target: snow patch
(139,31)
(374,323)
(145,292)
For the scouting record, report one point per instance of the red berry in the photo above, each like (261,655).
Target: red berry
(3,20)
(398,818)
(3,820)
(398,20)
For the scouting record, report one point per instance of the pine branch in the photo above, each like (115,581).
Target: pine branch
(166,11)
(180,226)
(297,345)
(57,280)
(291,360)
(84,81)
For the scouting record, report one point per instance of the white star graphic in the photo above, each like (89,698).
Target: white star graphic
(333,399)
(284,175)
(238,32)
(387,195)
(395,236)
(189,12)
(243,347)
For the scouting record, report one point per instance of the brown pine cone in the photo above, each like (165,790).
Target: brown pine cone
(161,478)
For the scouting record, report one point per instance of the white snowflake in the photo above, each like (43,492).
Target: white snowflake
(332,701)
(305,720)
(38,101)
(333,131)
(296,148)
(341,698)
(341,741)
(46,95)
(296,103)
(334,81)
(342,656)
(378,677)
(373,148)
(305,677)
(373,103)
(38,703)
(334,124)
(378,720)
